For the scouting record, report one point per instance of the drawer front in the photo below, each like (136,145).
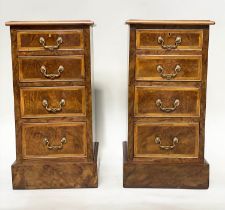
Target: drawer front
(50,40)
(166,101)
(43,140)
(169,39)
(52,101)
(51,68)
(166,140)
(168,68)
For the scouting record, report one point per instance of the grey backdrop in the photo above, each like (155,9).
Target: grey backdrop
(110,36)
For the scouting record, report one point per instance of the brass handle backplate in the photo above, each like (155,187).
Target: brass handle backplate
(54,147)
(53,109)
(169,47)
(169,147)
(59,41)
(160,69)
(167,109)
(51,76)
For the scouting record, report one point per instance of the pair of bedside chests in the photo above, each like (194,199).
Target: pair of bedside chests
(166,105)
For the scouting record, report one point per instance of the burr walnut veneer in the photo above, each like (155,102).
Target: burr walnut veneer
(53,105)
(167,101)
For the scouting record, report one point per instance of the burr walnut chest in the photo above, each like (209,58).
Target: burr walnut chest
(53,105)
(166,104)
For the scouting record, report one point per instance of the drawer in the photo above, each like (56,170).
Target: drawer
(168,68)
(51,68)
(51,40)
(171,39)
(44,140)
(160,101)
(52,101)
(166,140)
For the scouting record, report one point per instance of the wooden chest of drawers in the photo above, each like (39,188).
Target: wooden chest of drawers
(167,100)
(53,105)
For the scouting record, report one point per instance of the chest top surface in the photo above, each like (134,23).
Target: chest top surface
(170,22)
(48,23)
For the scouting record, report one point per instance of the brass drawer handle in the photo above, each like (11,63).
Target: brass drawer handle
(54,147)
(160,69)
(169,147)
(51,76)
(167,109)
(169,47)
(53,109)
(59,41)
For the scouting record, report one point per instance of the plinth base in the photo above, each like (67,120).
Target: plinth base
(143,174)
(39,174)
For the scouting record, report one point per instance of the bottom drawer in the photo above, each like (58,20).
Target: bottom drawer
(166,140)
(49,140)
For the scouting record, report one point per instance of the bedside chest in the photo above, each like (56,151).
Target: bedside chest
(167,101)
(53,105)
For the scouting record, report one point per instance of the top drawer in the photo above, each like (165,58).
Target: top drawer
(50,40)
(169,39)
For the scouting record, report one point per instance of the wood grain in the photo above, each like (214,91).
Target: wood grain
(29,40)
(132,60)
(33,135)
(190,67)
(30,68)
(32,101)
(49,23)
(146,133)
(75,165)
(56,174)
(146,164)
(190,39)
(171,22)
(146,97)
(142,174)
